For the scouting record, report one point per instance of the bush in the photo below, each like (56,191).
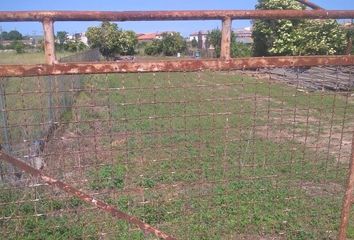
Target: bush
(169,45)
(18,46)
(295,37)
(153,48)
(241,50)
(111,40)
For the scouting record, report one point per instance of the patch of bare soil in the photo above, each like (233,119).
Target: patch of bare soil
(328,141)
(321,189)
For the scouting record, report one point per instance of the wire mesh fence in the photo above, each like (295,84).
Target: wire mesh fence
(202,155)
(37,105)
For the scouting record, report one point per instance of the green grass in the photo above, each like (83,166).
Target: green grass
(27,58)
(186,170)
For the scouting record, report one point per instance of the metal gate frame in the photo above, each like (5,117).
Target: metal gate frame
(52,67)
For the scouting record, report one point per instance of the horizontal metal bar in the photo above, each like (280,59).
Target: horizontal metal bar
(172,66)
(146,228)
(16,16)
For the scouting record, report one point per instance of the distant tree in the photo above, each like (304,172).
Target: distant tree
(62,37)
(111,40)
(153,48)
(295,37)
(14,35)
(214,38)
(194,43)
(74,46)
(169,45)
(4,35)
(18,46)
(239,49)
(172,43)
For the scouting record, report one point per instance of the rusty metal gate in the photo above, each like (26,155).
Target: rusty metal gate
(229,148)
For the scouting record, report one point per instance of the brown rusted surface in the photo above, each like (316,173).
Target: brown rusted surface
(83,196)
(310,4)
(49,41)
(348,199)
(13,16)
(172,66)
(226,39)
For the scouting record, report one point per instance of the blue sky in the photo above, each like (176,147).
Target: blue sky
(185,27)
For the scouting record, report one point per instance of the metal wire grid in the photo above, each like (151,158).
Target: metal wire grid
(205,155)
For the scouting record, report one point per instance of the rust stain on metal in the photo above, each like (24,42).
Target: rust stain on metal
(348,199)
(13,16)
(172,66)
(85,197)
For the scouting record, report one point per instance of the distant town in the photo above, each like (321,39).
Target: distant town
(243,35)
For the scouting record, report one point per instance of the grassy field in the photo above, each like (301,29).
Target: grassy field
(209,155)
(27,58)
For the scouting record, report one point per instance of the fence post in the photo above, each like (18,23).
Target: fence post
(49,41)
(5,128)
(226,39)
(348,199)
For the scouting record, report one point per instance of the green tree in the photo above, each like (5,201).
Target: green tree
(4,35)
(153,48)
(194,43)
(169,45)
(62,37)
(172,43)
(74,46)
(214,38)
(14,35)
(111,40)
(18,46)
(241,49)
(295,37)
(237,49)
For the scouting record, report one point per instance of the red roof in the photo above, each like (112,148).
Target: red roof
(147,36)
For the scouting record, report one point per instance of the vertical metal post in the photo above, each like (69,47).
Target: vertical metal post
(49,41)
(348,199)
(5,141)
(5,127)
(226,39)
(50,58)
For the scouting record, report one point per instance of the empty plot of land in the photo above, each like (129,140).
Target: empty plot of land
(204,155)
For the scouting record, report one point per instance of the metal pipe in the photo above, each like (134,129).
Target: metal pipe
(173,66)
(146,228)
(49,41)
(310,4)
(348,199)
(226,39)
(16,16)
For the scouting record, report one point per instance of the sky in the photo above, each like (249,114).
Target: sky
(185,27)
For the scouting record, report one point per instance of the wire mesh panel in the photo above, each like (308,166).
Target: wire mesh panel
(205,155)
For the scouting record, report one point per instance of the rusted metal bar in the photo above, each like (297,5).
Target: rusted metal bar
(83,196)
(226,38)
(173,66)
(49,41)
(348,199)
(16,16)
(310,4)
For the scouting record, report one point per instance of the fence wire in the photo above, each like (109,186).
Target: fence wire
(203,155)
